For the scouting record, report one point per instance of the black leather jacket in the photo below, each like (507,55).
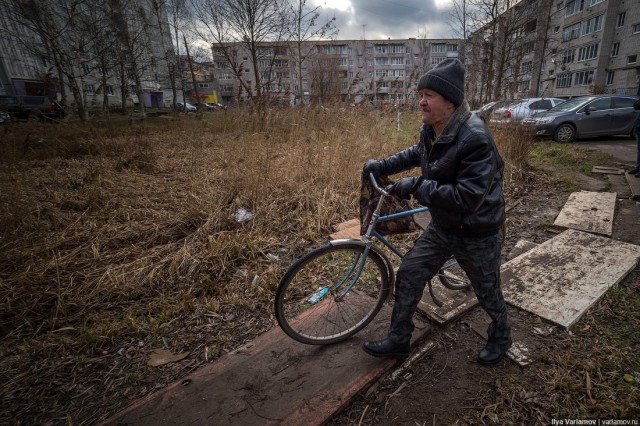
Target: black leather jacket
(462,175)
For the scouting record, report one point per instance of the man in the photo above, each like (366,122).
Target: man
(461,183)
(636,170)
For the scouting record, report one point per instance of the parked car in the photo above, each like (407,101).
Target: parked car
(516,111)
(485,111)
(186,107)
(587,116)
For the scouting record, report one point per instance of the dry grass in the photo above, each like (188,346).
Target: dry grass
(117,238)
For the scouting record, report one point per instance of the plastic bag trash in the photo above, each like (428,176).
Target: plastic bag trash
(272,257)
(243,215)
(315,297)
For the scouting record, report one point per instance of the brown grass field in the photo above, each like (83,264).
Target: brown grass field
(117,237)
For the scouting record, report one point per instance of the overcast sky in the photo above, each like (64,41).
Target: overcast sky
(382,19)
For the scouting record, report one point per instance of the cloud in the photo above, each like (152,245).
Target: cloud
(381,19)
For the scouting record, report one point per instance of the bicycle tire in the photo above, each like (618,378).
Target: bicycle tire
(326,320)
(457,280)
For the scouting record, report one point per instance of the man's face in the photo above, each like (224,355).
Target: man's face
(435,109)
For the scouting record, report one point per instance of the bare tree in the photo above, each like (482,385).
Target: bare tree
(303,27)
(52,31)
(177,15)
(325,78)
(235,28)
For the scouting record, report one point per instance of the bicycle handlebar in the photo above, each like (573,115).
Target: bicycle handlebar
(378,188)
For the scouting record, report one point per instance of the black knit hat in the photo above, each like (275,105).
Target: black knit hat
(446,78)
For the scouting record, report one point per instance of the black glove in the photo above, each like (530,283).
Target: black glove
(373,166)
(404,187)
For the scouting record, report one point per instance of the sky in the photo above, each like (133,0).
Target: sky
(382,19)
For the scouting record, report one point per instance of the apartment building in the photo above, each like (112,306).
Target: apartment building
(97,64)
(354,71)
(557,48)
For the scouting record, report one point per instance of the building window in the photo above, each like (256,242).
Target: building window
(568,56)
(621,17)
(571,32)
(369,50)
(610,75)
(588,52)
(381,73)
(380,84)
(636,28)
(342,62)
(264,63)
(109,91)
(397,48)
(526,67)
(369,62)
(281,63)
(524,85)
(282,75)
(89,89)
(615,49)
(556,30)
(350,62)
(591,3)
(632,59)
(133,90)
(563,80)
(439,48)
(528,47)
(381,49)
(396,73)
(437,60)
(203,85)
(592,25)
(222,65)
(226,89)
(86,69)
(397,61)
(583,78)
(573,7)
(350,74)
(382,61)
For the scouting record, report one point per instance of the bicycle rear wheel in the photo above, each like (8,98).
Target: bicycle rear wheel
(309,307)
(453,277)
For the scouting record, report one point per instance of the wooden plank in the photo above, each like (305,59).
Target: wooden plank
(607,170)
(455,303)
(272,380)
(634,185)
(588,211)
(564,276)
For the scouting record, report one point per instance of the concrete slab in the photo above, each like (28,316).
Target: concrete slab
(588,211)
(522,246)
(634,184)
(562,277)
(619,185)
(272,380)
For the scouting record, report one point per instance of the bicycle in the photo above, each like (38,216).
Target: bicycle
(334,291)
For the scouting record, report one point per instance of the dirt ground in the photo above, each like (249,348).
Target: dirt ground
(447,385)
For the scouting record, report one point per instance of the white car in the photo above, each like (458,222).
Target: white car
(517,110)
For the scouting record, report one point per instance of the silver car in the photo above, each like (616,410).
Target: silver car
(588,116)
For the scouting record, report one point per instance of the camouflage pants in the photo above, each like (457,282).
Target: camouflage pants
(479,257)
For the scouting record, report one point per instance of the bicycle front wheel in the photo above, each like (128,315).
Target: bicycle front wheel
(316,302)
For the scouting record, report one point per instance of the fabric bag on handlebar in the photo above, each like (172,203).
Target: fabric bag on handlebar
(368,201)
